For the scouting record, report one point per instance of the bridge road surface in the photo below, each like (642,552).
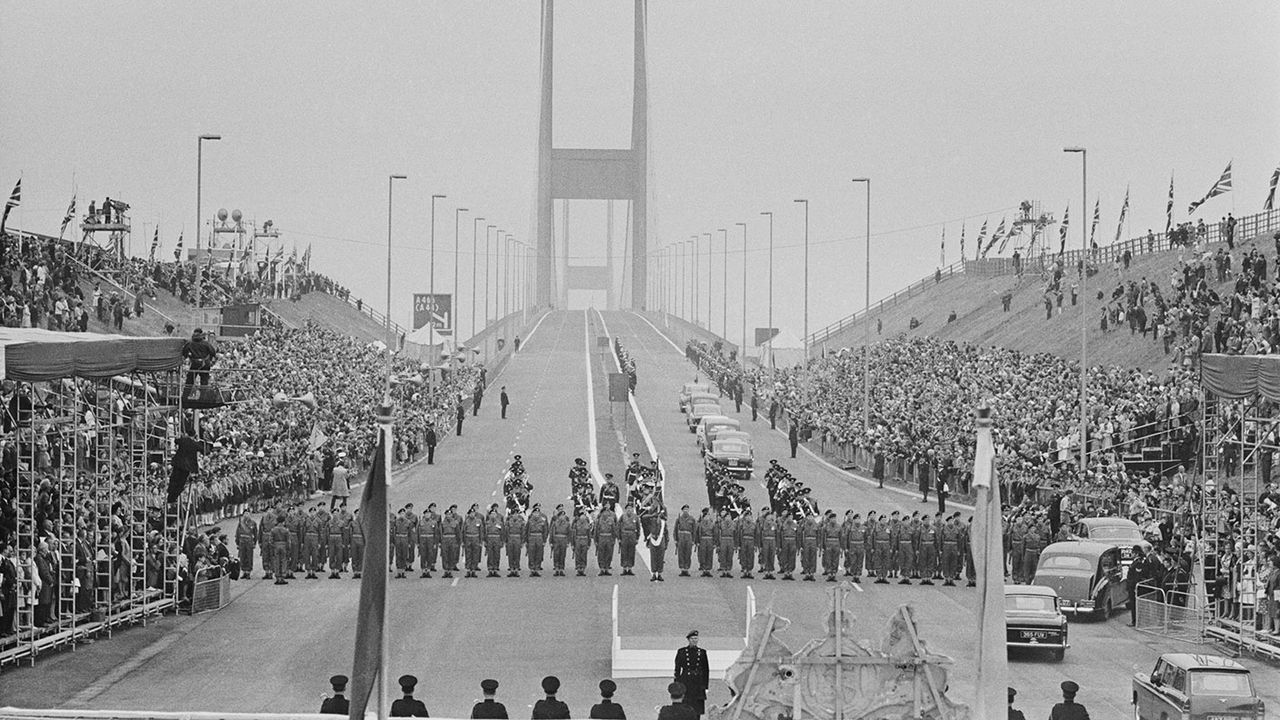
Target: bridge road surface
(273,648)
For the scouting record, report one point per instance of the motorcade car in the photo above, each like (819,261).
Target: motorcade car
(698,411)
(709,426)
(734,455)
(1086,576)
(1121,532)
(1033,619)
(689,390)
(1190,686)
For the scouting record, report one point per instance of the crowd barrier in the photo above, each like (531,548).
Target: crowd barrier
(1170,614)
(210,593)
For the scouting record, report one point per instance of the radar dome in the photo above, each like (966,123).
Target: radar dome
(235,216)
(222,214)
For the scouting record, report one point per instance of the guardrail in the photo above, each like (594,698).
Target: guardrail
(210,593)
(1172,614)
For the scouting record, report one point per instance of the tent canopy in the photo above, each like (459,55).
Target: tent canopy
(34,355)
(1236,377)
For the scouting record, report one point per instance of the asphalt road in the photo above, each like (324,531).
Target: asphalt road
(273,647)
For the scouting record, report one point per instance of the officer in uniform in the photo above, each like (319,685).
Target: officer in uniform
(1017,546)
(686,531)
(494,538)
(357,544)
(788,536)
(311,543)
(403,539)
(607,709)
(1013,713)
(265,526)
(678,709)
(628,536)
(549,708)
(336,705)
(767,540)
(693,672)
(339,541)
(705,536)
(280,549)
(881,539)
(1037,537)
(1069,709)
(515,529)
(294,521)
(609,493)
(535,539)
(246,538)
(488,708)
(561,529)
(472,538)
(408,706)
(322,520)
(966,536)
(950,552)
(853,534)
(809,533)
(450,540)
(429,539)
(606,533)
(580,536)
(656,540)
(725,530)
(829,536)
(746,534)
(928,550)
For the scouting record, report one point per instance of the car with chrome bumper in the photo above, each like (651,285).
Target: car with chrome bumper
(1085,574)
(1196,687)
(733,455)
(1033,620)
(689,390)
(1121,532)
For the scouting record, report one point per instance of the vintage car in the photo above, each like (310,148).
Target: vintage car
(1196,687)
(1033,620)
(1086,576)
(1118,531)
(689,390)
(734,455)
(699,410)
(711,425)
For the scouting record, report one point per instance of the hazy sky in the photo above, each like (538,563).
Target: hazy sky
(956,110)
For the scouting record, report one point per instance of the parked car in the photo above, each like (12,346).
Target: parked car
(734,455)
(1121,532)
(1086,576)
(710,425)
(698,411)
(689,390)
(1196,687)
(1033,619)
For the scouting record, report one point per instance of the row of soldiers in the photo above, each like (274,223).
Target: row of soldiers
(293,540)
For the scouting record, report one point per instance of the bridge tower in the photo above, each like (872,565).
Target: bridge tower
(593,174)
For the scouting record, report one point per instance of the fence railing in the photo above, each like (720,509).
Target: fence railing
(915,288)
(1173,614)
(210,593)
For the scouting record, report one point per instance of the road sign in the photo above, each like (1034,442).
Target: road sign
(619,387)
(764,335)
(436,309)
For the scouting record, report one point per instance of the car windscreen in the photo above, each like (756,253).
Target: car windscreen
(1221,682)
(1114,532)
(1066,562)
(731,448)
(1029,603)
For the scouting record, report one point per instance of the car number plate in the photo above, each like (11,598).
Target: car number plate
(1036,634)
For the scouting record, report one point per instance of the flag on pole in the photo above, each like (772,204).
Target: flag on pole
(982,235)
(306,258)
(318,438)
(1124,211)
(1015,230)
(962,242)
(988,556)
(177,251)
(1062,230)
(994,237)
(66,219)
(1168,211)
(1222,187)
(1093,227)
(367,669)
(15,199)
(942,260)
(155,243)
(1271,194)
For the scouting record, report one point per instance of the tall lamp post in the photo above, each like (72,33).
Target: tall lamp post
(453,303)
(693,280)
(486,272)
(769,331)
(866,322)
(199,218)
(724,284)
(387,319)
(475,258)
(707,235)
(806,290)
(431,284)
(742,350)
(1084,299)
(506,274)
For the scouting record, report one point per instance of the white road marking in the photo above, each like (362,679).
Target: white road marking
(454,583)
(591,402)
(661,334)
(858,587)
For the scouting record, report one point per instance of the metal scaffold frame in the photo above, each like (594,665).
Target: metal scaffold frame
(89,459)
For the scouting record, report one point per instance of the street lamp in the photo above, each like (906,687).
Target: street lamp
(387,319)
(724,284)
(866,323)
(769,331)
(1084,299)
(475,257)
(742,350)
(199,177)
(693,280)
(453,302)
(806,289)
(506,275)
(486,272)
(431,284)
(707,235)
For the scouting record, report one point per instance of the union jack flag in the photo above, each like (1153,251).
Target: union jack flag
(1222,187)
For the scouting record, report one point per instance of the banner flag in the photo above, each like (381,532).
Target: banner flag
(1124,211)
(1062,230)
(15,199)
(155,243)
(988,555)
(1271,194)
(982,235)
(177,251)
(1222,187)
(318,438)
(1168,211)
(1097,215)
(961,242)
(942,260)
(66,219)
(366,668)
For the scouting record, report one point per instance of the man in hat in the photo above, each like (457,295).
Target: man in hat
(535,538)
(246,538)
(336,705)
(607,709)
(340,486)
(432,440)
(1069,709)
(686,529)
(692,670)
(1014,714)
(678,709)
(549,708)
(408,706)
(504,401)
(450,540)
(202,354)
(488,708)
(561,531)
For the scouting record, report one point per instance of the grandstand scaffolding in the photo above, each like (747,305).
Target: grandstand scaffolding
(87,429)
(1241,427)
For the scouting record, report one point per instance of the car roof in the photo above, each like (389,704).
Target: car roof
(1078,547)
(1112,521)
(1194,661)
(696,384)
(1030,590)
(726,420)
(713,419)
(734,435)
(723,442)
